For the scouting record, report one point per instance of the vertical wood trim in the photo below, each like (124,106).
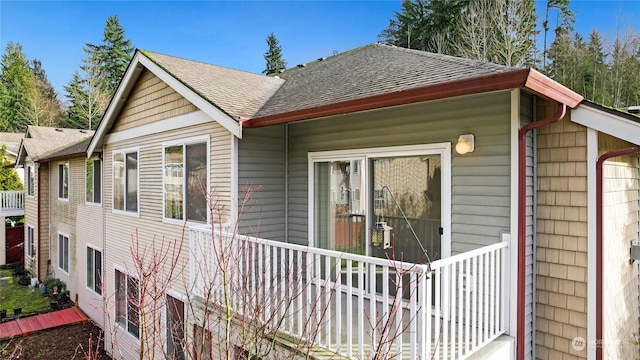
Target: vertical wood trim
(513,246)
(592,157)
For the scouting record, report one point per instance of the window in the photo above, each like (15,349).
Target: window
(125,181)
(94,270)
(30,181)
(93,172)
(63,180)
(63,252)
(185,181)
(127,303)
(31,242)
(354,189)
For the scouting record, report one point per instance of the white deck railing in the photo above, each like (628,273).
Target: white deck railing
(356,305)
(11,200)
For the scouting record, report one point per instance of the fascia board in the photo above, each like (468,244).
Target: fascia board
(607,123)
(235,127)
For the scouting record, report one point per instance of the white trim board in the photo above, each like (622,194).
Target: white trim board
(180,121)
(138,63)
(607,123)
(235,127)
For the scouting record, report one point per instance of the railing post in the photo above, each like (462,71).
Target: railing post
(467,312)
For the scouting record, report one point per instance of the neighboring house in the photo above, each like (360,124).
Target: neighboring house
(11,204)
(53,160)
(379,134)
(12,142)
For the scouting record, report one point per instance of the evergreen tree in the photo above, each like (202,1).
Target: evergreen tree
(273,56)
(88,97)
(559,57)
(9,179)
(430,25)
(114,54)
(565,26)
(74,118)
(102,69)
(595,69)
(17,81)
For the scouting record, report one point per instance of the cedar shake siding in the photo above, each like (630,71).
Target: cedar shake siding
(151,100)
(561,251)
(621,193)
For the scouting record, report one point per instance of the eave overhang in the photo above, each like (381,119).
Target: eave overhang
(608,121)
(527,79)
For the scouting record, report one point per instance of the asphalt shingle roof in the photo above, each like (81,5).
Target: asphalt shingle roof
(43,143)
(237,93)
(367,71)
(11,140)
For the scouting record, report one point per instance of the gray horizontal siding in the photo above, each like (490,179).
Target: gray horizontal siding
(480,181)
(261,166)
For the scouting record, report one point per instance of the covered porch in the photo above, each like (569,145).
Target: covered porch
(12,203)
(353,305)
(12,248)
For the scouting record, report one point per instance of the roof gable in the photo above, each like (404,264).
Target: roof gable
(44,143)
(224,94)
(237,93)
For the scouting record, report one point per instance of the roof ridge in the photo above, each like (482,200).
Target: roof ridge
(446,57)
(149,54)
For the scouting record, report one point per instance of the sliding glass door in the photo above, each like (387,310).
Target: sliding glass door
(400,187)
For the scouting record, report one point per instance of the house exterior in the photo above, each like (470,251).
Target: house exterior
(54,187)
(11,204)
(12,143)
(285,177)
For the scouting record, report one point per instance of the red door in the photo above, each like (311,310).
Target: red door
(15,244)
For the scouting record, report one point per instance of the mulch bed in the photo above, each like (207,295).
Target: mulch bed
(62,343)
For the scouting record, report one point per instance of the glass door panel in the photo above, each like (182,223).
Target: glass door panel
(415,183)
(406,195)
(340,206)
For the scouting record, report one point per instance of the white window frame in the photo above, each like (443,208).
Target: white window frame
(30,181)
(92,161)
(61,237)
(125,328)
(93,267)
(124,211)
(187,141)
(365,154)
(63,167)
(31,242)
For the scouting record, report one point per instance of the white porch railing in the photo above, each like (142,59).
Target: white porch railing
(356,305)
(11,200)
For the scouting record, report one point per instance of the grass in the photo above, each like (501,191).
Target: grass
(14,295)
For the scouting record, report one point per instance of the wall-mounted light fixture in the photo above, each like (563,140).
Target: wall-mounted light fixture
(466,144)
